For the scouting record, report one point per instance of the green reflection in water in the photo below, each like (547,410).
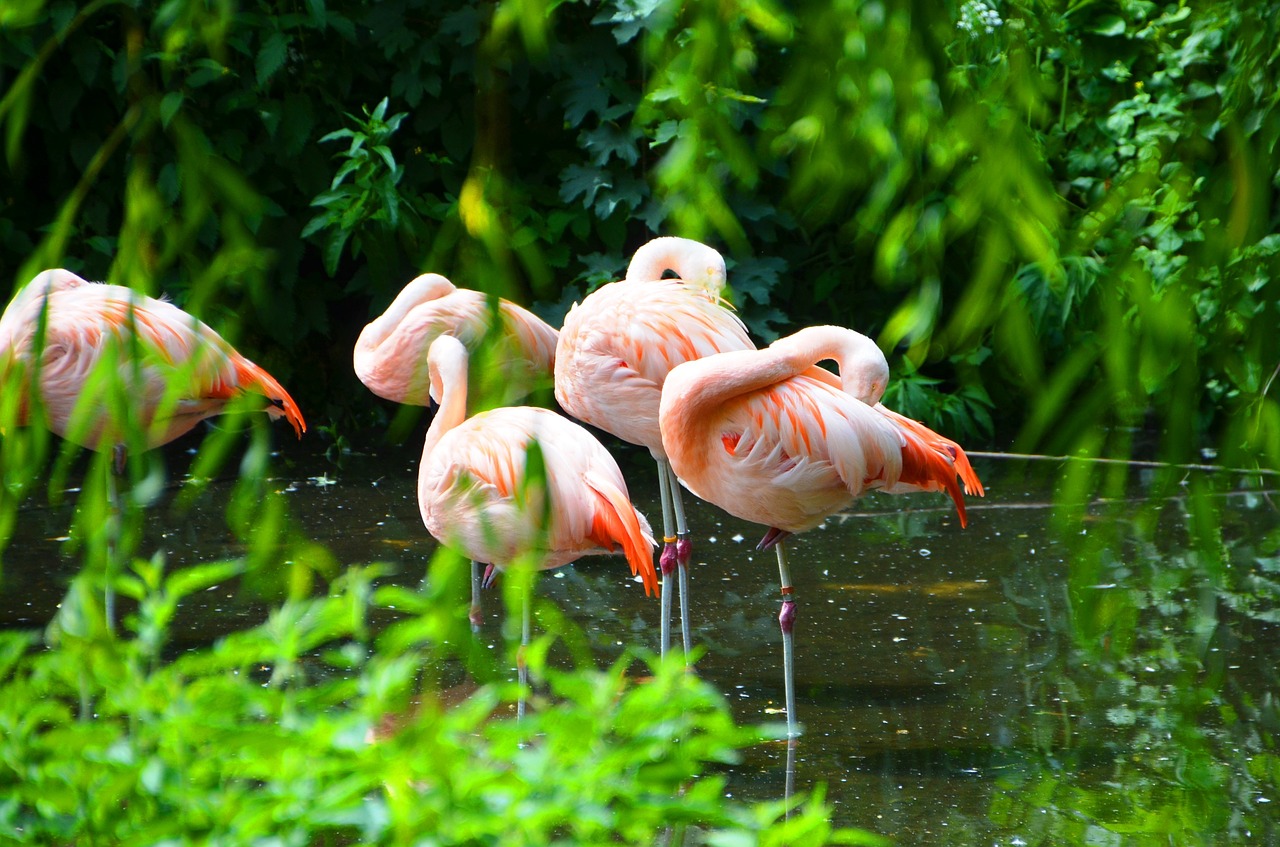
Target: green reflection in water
(1011,683)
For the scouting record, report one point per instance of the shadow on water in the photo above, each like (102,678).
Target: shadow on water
(1001,684)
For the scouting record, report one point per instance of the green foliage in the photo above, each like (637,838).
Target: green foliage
(313,726)
(371,198)
(1059,218)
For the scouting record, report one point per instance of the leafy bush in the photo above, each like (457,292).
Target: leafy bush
(279,734)
(992,192)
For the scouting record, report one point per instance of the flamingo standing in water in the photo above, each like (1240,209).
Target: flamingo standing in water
(615,350)
(771,438)
(107,367)
(174,370)
(391,353)
(476,496)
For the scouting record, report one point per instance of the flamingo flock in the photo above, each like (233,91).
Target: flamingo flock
(657,359)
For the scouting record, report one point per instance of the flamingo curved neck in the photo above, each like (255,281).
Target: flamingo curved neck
(863,368)
(447,364)
(422,289)
(696,264)
(864,371)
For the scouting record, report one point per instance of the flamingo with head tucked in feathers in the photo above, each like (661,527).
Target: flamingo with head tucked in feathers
(390,355)
(72,337)
(106,367)
(477,495)
(772,438)
(615,350)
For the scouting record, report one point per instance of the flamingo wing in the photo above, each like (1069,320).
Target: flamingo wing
(174,369)
(476,493)
(799,450)
(185,363)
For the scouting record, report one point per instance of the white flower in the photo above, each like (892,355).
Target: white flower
(977,16)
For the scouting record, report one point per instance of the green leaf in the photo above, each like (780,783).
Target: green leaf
(1109,25)
(586,95)
(611,141)
(333,251)
(338,133)
(580,181)
(386,155)
(199,577)
(272,56)
(343,172)
(316,224)
(169,106)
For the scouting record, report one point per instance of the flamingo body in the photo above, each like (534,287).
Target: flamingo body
(771,438)
(768,439)
(616,349)
(390,354)
(475,493)
(175,371)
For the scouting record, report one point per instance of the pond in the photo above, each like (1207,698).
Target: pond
(1093,678)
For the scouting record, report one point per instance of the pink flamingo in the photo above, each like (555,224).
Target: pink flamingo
(771,438)
(615,350)
(70,334)
(390,354)
(476,496)
(105,367)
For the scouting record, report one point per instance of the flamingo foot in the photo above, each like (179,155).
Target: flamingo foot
(772,537)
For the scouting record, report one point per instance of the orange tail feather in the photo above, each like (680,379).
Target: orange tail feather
(252,376)
(932,462)
(615,522)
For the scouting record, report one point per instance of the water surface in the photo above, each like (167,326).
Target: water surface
(1093,680)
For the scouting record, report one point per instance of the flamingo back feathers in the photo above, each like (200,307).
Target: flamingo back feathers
(390,356)
(176,370)
(617,347)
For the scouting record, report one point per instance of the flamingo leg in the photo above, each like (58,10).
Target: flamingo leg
(786,621)
(116,523)
(667,560)
(684,549)
(522,667)
(789,787)
(477,583)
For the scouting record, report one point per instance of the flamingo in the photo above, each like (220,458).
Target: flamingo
(772,438)
(390,354)
(107,367)
(175,371)
(615,350)
(476,496)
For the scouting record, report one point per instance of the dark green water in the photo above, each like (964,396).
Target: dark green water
(1097,680)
